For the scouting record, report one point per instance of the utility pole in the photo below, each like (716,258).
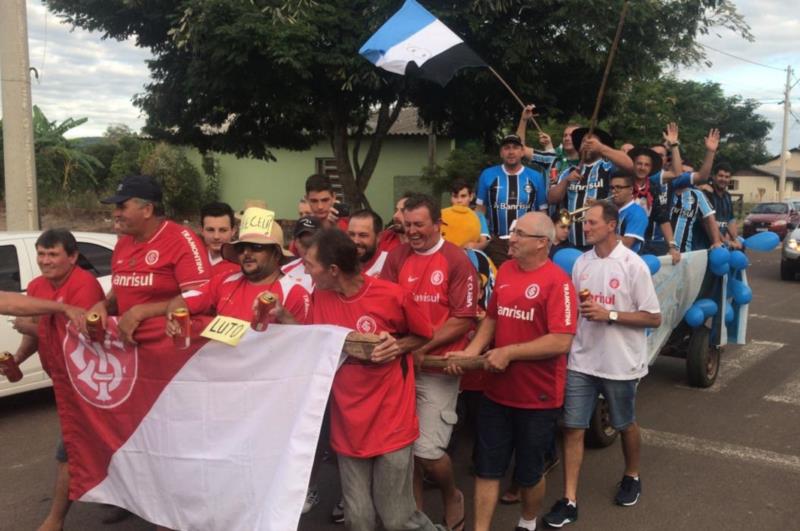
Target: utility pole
(22,208)
(785,140)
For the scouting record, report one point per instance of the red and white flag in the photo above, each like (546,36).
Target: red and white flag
(213,437)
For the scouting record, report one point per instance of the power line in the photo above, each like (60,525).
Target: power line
(742,58)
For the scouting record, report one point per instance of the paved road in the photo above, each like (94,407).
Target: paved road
(727,457)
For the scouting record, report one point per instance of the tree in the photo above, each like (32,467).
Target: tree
(644,108)
(246,76)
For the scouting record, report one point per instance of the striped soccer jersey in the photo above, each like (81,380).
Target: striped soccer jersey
(593,185)
(508,197)
(688,210)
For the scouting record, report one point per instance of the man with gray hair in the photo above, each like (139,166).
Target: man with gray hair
(531,317)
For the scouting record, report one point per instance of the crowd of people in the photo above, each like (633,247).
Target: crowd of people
(474,281)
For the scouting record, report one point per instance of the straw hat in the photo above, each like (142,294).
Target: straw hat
(258,226)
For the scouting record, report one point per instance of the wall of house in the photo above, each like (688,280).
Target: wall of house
(281,183)
(751,186)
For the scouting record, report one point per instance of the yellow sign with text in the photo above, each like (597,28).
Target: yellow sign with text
(228,330)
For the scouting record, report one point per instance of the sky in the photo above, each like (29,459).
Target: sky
(82,75)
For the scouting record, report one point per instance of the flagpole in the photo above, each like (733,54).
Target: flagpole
(611,54)
(521,103)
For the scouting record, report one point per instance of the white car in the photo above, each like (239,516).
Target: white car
(18,267)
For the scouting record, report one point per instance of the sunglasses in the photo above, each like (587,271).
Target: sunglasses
(253,247)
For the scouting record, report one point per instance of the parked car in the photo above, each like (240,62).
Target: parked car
(779,217)
(18,267)
(790,255)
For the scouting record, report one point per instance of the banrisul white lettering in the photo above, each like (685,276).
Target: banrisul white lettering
(426,297)
(198,261)
(515,312)
(132,280)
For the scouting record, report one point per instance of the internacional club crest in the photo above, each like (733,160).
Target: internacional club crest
(437,277)
(151,257)
(532,291)
(102,374)
(366,325)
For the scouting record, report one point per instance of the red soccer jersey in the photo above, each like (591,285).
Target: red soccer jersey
(221,266)
(526,306)
(233,295)
(373,411)
(442,281)
(80,289)
(172,261)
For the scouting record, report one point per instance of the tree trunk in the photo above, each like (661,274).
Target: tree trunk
(355,182)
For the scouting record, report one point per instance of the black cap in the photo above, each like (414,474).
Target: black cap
(511,139)
(306,224)
(141,186)
(654,157)
(578,134)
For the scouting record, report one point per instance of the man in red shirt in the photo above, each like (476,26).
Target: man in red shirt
(217,223)
(445,285)
(364,229)
(63,282)
(154,259)
(322,200)
(373,418)
(531,318)
(259,253)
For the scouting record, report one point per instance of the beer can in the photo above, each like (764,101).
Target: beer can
(553,174)
(183,339)
(585,295)
(10,367)
(94,325)
(261,317)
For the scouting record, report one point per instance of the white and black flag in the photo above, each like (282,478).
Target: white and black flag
(415,42)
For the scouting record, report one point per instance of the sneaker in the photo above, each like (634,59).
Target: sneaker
(312,498)
(337,515)
(629,491)
(561,514)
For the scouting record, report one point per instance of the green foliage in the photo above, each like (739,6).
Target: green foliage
(181,182)
(465,162)
(75,167)
(644,109)
(242,77)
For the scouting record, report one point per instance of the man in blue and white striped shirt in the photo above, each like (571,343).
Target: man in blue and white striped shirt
(589,182)
(507,192)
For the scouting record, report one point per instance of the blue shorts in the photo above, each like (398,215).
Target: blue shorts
(580,398)
(503,431)
(61,452)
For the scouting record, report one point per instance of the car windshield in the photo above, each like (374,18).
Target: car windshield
(770,208)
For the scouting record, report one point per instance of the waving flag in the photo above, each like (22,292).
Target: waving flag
(414,40)
(212,437)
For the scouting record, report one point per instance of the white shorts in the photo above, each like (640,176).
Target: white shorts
(437,395)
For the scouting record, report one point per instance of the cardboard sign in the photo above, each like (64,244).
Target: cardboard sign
(224,329)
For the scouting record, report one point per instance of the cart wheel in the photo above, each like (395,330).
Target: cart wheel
(702,360)
(600,433)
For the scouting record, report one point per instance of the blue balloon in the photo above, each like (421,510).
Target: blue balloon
(707,306)
(729,314)
(652,262)
(763,241)
(739,260)
(565,259)
(718,260)
(741,293)
(720,269)
(694,316)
